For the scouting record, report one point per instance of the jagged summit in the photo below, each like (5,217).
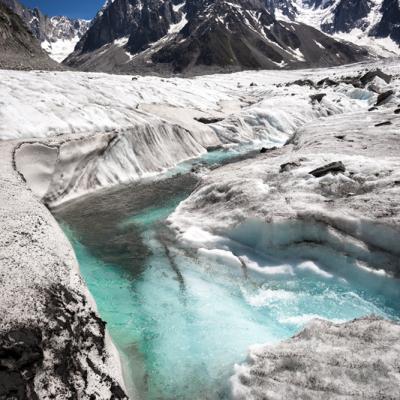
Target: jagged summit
(58,35)
(193,35)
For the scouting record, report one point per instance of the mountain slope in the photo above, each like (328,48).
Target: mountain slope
(197,36)
(19,49)
(58,35)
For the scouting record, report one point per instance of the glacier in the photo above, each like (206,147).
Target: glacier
(107,130)
(65,135)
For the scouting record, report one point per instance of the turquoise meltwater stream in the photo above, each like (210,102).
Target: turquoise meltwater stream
(182,320)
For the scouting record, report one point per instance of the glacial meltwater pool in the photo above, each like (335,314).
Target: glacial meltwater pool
(180,319)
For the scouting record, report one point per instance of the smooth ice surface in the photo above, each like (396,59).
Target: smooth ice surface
(183,318)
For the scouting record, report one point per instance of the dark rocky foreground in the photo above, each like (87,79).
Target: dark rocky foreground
(63,349)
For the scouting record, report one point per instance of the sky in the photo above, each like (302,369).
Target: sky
(86,9)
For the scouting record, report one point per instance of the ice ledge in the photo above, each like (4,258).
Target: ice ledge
(53,342)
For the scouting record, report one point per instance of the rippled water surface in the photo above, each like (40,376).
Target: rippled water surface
(181,319)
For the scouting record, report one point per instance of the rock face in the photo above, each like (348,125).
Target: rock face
(142,23)
(348,15)
(50,31)
(389,25)
(19,49)
(358,359)
(128,35)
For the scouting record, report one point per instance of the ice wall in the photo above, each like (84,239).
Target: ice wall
(63,169)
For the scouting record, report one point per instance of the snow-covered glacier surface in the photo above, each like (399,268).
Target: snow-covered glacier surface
(194,267)
(98,130)
(300,235)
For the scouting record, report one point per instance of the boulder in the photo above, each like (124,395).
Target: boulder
(302,82)
(317,97)
(208,120)
(289,166)
(266,150)
(384,123)
(327,82)
(371,75)
(334,168)
(383,97)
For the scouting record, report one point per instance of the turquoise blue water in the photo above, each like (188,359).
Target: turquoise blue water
(182,320)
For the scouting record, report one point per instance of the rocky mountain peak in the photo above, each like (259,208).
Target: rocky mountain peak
(182,36)
(58,35)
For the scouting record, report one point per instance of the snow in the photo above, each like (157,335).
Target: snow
(61,36)
(144,126)
(83,132)
(348,217)
(121,41)
(60,49)
(176,28)
(384,47)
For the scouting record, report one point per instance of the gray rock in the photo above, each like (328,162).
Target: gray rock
(383,97)
(384,123)
(289,166)
(334,168)
(371,75)
(317,97)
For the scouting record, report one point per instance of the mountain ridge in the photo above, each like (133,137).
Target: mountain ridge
(185,36)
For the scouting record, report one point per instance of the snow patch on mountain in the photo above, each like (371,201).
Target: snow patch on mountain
(61,36)
(321,15)
(60,48)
